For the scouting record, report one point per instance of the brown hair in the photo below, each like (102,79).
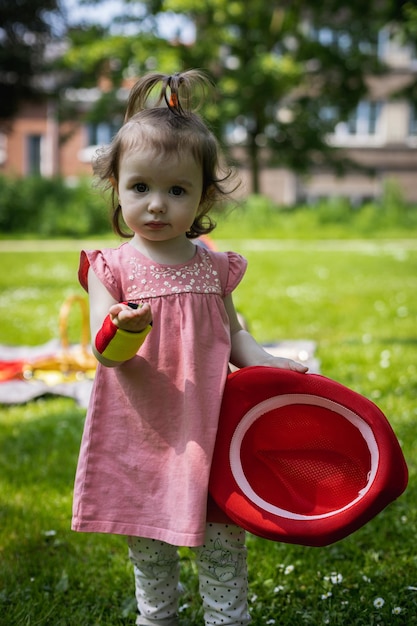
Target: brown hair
(168,122)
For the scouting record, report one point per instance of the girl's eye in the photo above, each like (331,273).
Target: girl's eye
(177,191)
(141,187)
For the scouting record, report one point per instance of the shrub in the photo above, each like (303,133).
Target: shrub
(51,207)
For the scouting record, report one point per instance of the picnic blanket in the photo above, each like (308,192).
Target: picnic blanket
(63,369)
(78,385)
(56,367)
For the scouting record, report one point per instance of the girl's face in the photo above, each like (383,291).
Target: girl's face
(159,194)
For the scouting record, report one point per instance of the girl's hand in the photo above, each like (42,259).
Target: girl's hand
(287,364)
(131,319)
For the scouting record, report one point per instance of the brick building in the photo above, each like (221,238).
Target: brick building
(382,134)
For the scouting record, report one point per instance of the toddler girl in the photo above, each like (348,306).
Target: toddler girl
(164,329)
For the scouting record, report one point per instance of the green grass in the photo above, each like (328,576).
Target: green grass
(357,300)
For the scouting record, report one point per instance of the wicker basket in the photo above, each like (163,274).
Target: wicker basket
(70,361)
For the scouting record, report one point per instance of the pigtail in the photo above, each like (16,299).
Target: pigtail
(170,92)
(182,92)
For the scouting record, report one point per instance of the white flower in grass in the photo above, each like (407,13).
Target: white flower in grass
(379,603)
(278,588)
(289,569)
(397,610)
(366,579)
(334,578)
(326,596)
(254,598)
(271,621)
(182,608)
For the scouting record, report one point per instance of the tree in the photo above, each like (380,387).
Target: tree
(98,55)
(404,15)
(288,70)
(26,29)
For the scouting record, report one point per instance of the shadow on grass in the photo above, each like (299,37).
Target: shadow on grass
(41,448)
(51,576)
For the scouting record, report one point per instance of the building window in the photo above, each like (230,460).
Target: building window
(364,120)
(3,148)
(101,134)
(412,124)
(33,145)
(96,134)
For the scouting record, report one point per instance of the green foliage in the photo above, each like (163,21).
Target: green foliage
(282,83)
(356,299)
(259,217)
(93,52)
(275,74)
(26,28)
(51,207)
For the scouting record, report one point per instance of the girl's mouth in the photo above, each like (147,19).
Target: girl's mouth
(156,225)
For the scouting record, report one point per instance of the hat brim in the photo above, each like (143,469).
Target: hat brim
(300,458)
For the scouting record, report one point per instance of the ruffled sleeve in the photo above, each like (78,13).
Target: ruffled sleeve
(100,264)
(237,269)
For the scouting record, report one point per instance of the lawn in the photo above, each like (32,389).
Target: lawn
(356,299)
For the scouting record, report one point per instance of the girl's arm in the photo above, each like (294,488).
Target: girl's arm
(246,351)
(103,305)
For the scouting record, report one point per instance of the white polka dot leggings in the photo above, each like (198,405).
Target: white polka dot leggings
(222,570)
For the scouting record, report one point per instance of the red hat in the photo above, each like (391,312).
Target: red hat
(300,458)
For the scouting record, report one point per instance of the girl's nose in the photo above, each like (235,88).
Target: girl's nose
(156,204)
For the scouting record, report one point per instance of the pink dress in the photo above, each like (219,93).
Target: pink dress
(151,425)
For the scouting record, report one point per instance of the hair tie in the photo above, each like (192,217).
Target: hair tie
(173,101)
